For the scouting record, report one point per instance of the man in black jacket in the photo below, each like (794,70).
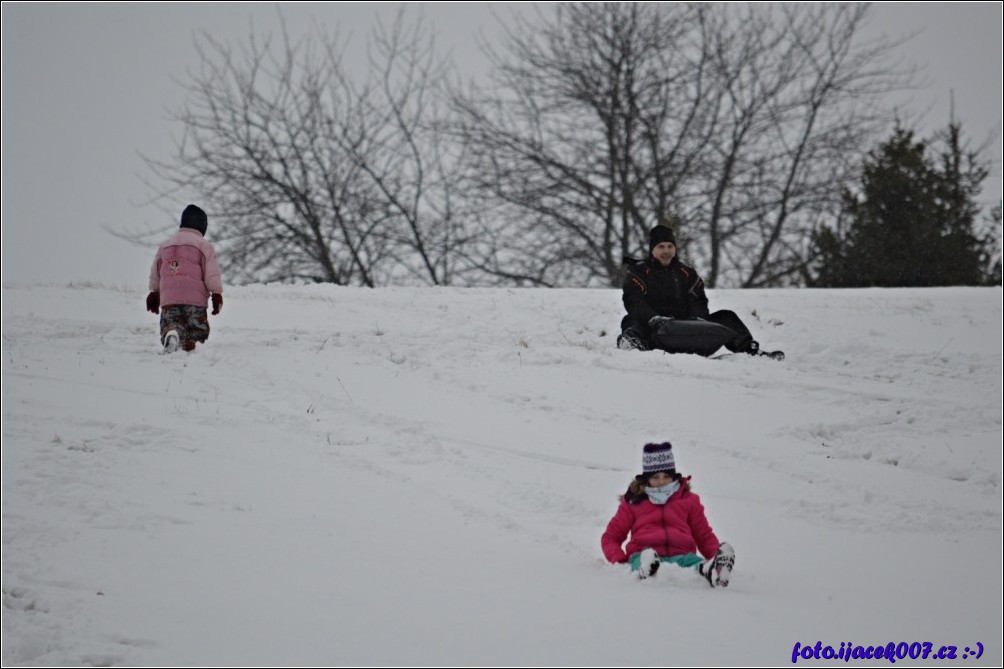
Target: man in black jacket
(661,289)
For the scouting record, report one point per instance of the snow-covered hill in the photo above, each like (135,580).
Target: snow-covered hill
(421,477)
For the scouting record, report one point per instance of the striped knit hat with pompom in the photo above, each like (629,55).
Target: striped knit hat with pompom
(658,458)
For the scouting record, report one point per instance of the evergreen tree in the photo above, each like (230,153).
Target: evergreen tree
(913,223)
(992,246)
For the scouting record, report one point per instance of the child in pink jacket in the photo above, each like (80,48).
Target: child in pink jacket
(663,521)
(183,278)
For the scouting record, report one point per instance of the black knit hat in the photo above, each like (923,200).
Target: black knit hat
(658,458)
(194,218)
(659,234)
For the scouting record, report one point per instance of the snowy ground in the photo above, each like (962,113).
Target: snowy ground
(421,477)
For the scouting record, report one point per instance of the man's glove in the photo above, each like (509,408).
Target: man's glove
(656,321)
(217,303)
(153,302)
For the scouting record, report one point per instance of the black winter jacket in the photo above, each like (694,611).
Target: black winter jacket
(653,290)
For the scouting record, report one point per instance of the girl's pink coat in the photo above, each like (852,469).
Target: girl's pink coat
(185,270)
(679,526)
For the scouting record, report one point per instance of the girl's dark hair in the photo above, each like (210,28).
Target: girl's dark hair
(637,486)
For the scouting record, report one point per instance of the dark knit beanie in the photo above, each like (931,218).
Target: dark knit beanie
(194,218)
(658,458)
(659,234)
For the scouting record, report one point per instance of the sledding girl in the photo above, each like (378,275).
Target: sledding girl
(663,521)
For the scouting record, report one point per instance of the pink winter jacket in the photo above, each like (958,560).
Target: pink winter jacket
(185,270)
(679,526)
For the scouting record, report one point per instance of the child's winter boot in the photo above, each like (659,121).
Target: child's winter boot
(171,342)
(718,569)
(648,563)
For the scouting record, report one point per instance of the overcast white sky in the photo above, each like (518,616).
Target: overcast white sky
(87,88)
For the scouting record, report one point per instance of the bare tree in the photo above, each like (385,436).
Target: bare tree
(801,99)
(735,123)
(569,146)
(406,156)
(312,176)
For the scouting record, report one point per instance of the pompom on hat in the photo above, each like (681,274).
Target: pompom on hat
(658,458)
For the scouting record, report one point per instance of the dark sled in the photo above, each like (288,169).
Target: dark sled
(696,336)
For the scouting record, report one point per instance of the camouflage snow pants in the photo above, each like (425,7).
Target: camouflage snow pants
(190,322)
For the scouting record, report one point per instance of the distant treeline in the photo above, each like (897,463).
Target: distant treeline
(750,129)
